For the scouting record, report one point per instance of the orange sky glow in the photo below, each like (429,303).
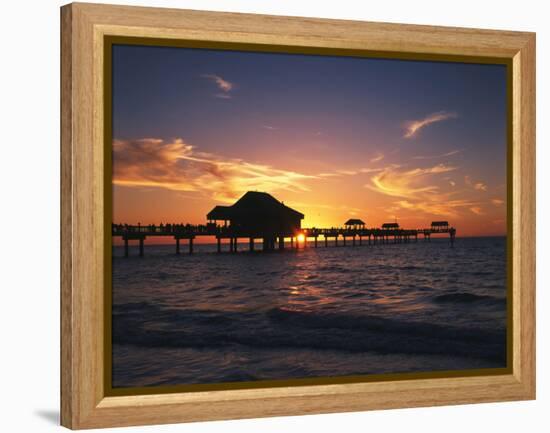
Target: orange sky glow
(173,182)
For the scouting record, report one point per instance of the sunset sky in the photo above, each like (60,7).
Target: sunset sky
(332,137)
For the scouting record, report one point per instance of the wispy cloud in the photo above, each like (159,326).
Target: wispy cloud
(179,166)
(347,172)
(418,189)
(478,186)
(224,85)
(477,210)
(448,208)
(413,127)
(328,174)
(223,95)
(350,172)
(442,155)
(269,127)
(366,170)
(497,202)
(406,183)
(379,157)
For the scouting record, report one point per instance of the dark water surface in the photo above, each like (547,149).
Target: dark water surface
(209,318)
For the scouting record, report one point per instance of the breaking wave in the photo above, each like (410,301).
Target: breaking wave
(144,324)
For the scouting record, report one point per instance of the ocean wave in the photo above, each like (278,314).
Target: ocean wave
(148,325)
(335,268)
(466,298)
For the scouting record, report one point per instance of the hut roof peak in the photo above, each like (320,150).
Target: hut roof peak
(354,222)
(390,225)
(253,203)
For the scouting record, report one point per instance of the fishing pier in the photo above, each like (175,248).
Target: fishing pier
(260,216)
(305,238)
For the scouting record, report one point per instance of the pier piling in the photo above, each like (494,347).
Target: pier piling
(452,234)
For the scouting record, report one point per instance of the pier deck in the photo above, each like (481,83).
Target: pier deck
(328,236)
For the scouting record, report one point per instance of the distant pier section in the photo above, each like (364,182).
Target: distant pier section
(260,216)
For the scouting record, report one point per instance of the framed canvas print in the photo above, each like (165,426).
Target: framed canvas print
(271,216)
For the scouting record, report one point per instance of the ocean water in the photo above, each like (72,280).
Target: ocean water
(394,308)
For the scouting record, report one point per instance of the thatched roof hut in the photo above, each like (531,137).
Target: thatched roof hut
(258,214)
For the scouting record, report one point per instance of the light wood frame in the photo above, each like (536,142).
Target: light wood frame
(83,400)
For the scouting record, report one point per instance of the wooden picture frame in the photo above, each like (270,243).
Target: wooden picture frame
(84,319)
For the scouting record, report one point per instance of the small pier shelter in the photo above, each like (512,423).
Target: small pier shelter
(355,224)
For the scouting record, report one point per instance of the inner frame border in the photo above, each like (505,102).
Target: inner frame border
(110,40)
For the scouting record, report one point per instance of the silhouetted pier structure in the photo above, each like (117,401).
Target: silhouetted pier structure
(260,216)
